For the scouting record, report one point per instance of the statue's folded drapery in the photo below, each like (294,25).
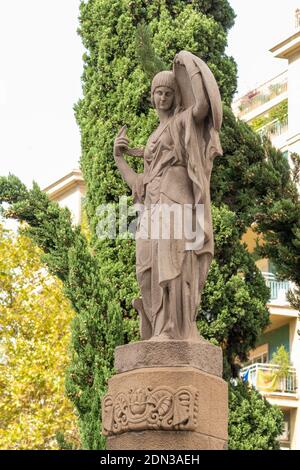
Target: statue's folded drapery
(177,169)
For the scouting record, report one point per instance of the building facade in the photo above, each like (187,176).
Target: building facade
(68,191)
(273,110)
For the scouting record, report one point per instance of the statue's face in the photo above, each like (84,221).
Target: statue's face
(163,98)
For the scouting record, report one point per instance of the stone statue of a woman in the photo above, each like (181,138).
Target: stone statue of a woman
(178,159)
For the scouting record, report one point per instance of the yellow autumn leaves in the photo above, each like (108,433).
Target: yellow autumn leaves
(34,337)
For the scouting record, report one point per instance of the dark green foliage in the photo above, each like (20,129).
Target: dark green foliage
(64,444)
(151,63)
(254,424)
(48,225)
(219,10)
(293,297)
(12,190)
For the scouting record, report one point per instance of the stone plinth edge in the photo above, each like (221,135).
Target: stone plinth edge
(199,354)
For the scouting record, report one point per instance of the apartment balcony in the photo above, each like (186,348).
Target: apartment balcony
(262,95)
(274,129)
(279,289)
(266,378)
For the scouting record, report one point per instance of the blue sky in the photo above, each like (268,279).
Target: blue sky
(41,66)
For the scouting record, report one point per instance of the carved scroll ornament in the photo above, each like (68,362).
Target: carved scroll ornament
(161,408)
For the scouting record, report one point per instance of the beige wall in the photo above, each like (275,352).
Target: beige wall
(250,238)
(295,429)
(72,200)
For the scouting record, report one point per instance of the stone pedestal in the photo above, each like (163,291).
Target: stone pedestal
(166,395)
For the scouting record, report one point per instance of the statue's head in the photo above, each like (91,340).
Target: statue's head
(164,84)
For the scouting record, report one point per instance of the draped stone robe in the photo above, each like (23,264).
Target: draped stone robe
(177,169)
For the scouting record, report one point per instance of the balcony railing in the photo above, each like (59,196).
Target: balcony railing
(266,378)
(261,95)
(278,289)
(274,128)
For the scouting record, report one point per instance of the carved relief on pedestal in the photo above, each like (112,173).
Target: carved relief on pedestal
(161,408)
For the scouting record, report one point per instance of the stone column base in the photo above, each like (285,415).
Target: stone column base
(166,408)
(165,440)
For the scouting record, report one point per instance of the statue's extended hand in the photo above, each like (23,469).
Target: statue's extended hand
(121,143)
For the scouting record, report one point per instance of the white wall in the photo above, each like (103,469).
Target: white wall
(294,102)
(72,200)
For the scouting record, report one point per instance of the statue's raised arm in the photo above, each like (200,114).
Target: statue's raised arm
(198,87)
(178,158)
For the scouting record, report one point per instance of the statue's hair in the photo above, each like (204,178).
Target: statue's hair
(166,78)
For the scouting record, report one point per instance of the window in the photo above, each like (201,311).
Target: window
(261,359)
(260,355)
(284,438)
